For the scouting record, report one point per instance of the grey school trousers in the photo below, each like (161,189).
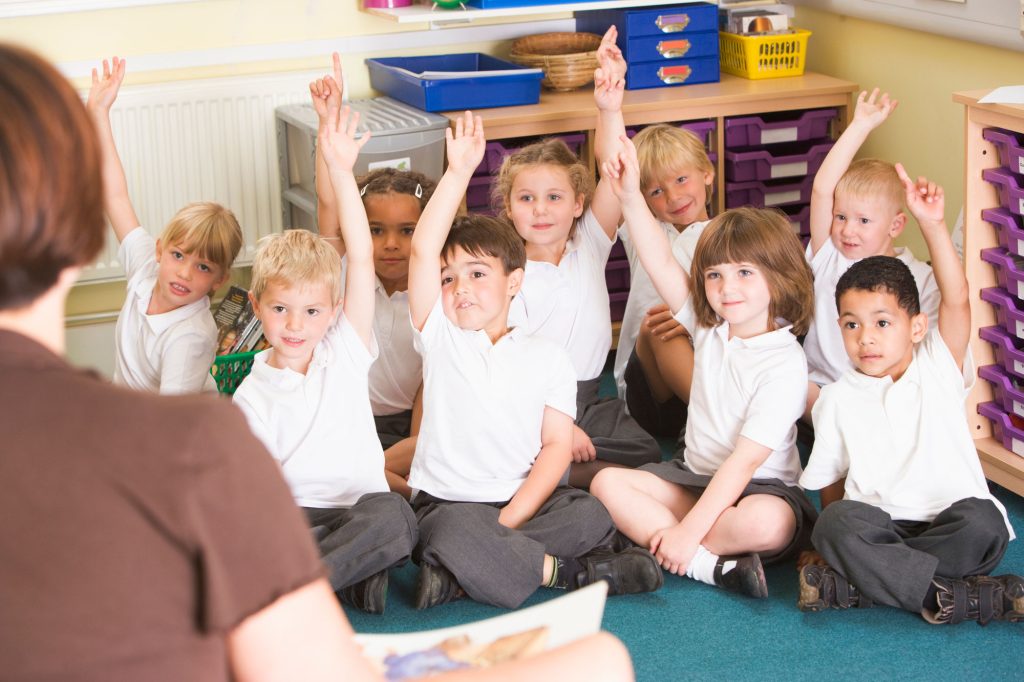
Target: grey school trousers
(616,436)
(377,532)
(498,565)
(392,428)
(893,562)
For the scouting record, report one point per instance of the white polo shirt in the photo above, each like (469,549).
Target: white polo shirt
(642,295)
(826,355)
(568,303)
(318,425)
(169,353)
(483,408)
(903,446)
(755,387)
(396,375)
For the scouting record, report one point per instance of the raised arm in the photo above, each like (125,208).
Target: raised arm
(609,85)
(622,174)
(102,95)
(465,151)
(337,140)
(871,112)
(324,95)
(927,204)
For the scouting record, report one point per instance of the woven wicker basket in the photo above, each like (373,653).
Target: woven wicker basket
(568,59)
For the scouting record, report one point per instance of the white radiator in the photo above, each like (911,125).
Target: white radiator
(202,140)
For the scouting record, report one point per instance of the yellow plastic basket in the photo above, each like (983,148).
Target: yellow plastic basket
(757,57)
(229,370)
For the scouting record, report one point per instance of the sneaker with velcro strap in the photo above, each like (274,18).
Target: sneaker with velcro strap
(821,587)
(979,598)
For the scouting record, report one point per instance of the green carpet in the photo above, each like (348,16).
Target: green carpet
(688,630)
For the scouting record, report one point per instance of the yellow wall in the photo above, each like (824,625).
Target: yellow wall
(922,70)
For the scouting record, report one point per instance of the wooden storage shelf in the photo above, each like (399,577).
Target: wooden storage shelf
(1000,465)
(422,13)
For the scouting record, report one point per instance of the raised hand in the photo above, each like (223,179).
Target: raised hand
(104,89)
(622,171)
(872,109)
(324,94)
(662,324)
(337,137)
(466,146)
(610,75)
(926,200)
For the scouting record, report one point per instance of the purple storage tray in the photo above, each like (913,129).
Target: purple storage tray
(1009,269)
(617,304)
(771,193)
(616,274)
(1003,429)
(1007,349)
(496,151)
(748,131)
(618,251)
(478,194)
(1010,146)
(1004,388)
(1008,315)
(1008,185)
(799,217)
(1008,228)
(781,161)
(702,129)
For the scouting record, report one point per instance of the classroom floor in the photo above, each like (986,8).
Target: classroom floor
(692,631)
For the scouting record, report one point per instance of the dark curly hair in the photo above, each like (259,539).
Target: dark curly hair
(882,273)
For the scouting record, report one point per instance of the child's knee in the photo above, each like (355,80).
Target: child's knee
(606,483)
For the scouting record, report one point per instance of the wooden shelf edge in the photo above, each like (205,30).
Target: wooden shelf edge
(1000,465)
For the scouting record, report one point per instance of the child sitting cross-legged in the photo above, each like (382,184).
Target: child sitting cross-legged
(307,398)
(498,408)
(918,528)
(166,338)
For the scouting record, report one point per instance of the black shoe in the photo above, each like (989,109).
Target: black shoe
(630,571)
(745,577)
(436,586)
(368,594)
(980,598)
(822,588)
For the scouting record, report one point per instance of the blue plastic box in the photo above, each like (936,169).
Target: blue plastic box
(483,84)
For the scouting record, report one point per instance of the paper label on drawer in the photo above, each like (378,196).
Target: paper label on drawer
(1018,367)
(1020,247)
(1020,330)
(783,135)
(1020,290)
(776,198)
(1020,164)
(1018,447)
(796,227)
(788,170)
(403,164)
(1018,409)
(1020,206)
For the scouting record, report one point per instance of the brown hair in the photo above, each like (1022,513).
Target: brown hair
(482,235)
(663,148)
(51,196)
(296,258)
(765,238)
(392,180)
(206,229)
(549,152)
(873,178)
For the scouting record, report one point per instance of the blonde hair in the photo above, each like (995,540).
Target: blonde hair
(206,229)
(549,152)
(662,149)
(765,238)
(871,179)
(296,258)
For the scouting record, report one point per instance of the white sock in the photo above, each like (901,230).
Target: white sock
(702,566)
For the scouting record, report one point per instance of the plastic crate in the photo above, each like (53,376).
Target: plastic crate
(704,130)
(787,160)
(1009,269)
(751,131)
(1008,229)
(616,275)
(432,82)
(478,194)
(1010,146)
(757,57)
(1008,312)
(1008,349)
(1011,194)
(617,304)
(1007,390)
(673,73)
(769,193)
(496,151)
(229,370)
(1003,428)
(799,217)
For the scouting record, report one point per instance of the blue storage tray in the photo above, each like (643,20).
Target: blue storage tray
(672,73)
(660,48)
(496,4)
(482,86)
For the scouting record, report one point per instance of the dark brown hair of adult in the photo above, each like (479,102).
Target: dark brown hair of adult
(51,199)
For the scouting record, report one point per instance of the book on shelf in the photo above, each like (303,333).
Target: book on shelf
(239,330)
(489,642)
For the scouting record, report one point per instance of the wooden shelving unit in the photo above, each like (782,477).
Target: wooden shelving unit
(1000,465)
(423,13)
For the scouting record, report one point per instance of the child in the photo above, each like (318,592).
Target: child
(166,338)
(856,211)
(307,398)
(654,358)
(564,296)
(497,421)
(732,495)
(393,200)
(917,528)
